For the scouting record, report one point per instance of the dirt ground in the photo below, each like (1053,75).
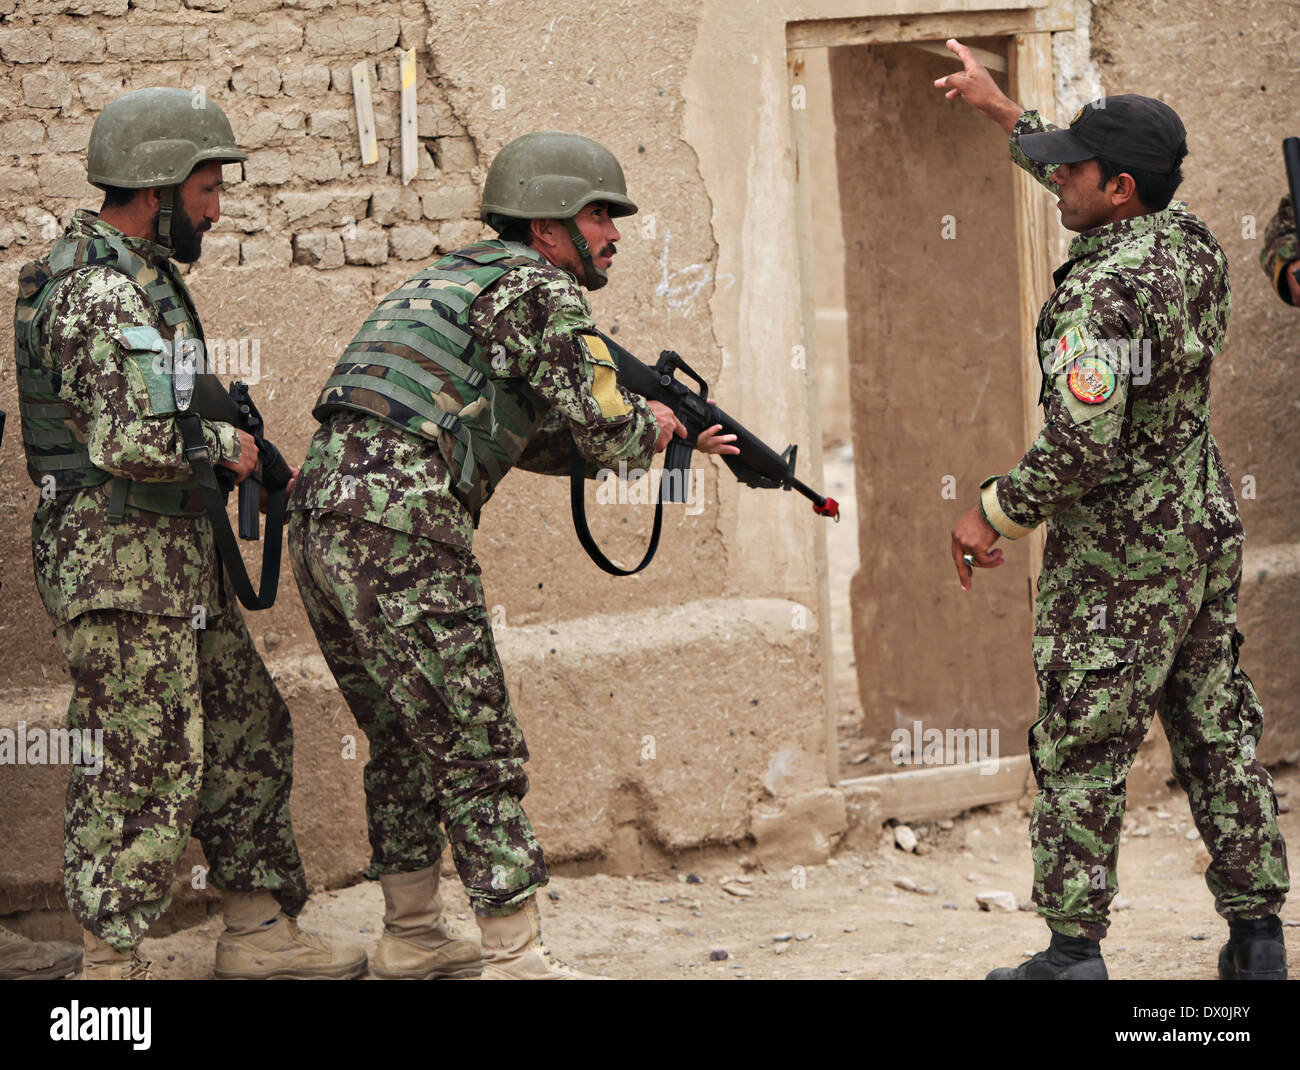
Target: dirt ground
(871,912)
(852,919)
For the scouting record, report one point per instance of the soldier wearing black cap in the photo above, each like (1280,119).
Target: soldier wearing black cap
(1136,607)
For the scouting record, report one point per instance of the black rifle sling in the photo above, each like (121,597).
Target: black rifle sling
(196,451)
(577,498)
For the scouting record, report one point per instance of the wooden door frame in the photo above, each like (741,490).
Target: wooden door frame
(1029,68)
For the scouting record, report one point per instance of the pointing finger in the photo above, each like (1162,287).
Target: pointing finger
(963,569)
(963,53)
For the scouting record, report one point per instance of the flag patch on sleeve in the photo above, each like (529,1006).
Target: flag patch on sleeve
(1070,345)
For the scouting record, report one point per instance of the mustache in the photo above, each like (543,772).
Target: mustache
(609,250)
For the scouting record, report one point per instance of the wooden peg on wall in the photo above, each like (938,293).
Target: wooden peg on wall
(410,128)
(365,112)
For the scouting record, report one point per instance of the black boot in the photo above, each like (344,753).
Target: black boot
(1255,951)
(1067,958)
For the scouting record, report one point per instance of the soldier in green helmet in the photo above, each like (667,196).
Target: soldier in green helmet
(484,361)
(196,739)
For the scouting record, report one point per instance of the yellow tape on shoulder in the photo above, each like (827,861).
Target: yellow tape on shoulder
(597,350)
(605,390)
(604,380)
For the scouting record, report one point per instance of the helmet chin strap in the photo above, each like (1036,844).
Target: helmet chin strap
(166,202)
(595,278)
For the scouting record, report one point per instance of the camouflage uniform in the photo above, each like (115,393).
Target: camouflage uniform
(1281,247)
(1136,608)
(380,537)
(196,737)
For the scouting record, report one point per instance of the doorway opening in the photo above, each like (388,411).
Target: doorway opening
(928,261)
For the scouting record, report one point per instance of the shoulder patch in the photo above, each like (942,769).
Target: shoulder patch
(1091,379)
(147,363)
(1070,345)
(143,338)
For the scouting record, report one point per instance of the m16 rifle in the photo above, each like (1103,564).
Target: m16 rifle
(756,465)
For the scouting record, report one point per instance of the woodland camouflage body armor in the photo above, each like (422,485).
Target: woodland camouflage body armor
(416,365)
(50,436)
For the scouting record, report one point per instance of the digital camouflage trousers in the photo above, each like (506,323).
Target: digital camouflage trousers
(402,623)
(1109,658)
(196,741)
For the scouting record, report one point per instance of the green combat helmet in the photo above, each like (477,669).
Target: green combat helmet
(551,175)
(154,138)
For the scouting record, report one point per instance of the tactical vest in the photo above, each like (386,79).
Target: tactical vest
(416,365)
(49,432)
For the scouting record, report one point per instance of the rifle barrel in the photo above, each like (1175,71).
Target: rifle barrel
(1291,155)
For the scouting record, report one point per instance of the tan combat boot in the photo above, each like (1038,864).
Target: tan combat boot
(513,950)
(261,943)
(27,960)
(418,943)
(106,963)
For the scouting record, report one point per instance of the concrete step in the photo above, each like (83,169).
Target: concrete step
(628,761)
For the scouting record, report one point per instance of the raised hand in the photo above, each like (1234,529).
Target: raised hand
(976,86)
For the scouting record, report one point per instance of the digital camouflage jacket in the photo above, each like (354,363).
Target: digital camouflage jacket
(529,326)
(1125,471)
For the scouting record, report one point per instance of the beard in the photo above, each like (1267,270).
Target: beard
(186,239)
(596,278)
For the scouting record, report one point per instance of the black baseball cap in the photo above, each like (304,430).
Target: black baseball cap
(1141,132)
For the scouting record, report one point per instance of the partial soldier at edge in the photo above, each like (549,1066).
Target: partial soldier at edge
(1280,257)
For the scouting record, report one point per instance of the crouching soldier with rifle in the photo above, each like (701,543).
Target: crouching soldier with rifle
(484,361)
(133,445)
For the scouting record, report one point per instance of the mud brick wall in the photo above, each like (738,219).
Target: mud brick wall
(699,651)
(282,72)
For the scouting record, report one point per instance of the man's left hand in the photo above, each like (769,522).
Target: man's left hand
(261,499)
(709,441)
(248,457)
(974,535)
